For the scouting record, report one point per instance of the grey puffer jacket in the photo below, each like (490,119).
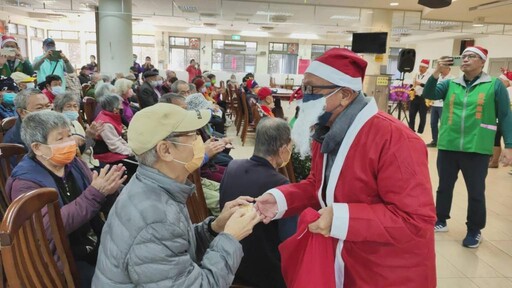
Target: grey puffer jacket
(149,241)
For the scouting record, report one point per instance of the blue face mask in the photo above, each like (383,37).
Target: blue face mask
(9,98)
(324,118)
(208,84)
(71,115)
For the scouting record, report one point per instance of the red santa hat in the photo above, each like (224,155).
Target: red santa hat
(506,76)
(264,92)
(481,51)
(425,63)
(341,67)
(7,38)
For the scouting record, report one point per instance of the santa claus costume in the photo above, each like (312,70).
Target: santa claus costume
(373,171)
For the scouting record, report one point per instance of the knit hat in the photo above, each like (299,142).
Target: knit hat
(199,83)
(7,84)
(425,63)
(7,38)
(264,92)
(341,67)
(481,51)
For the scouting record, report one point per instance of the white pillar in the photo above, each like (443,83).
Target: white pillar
(382,21)
(115,36)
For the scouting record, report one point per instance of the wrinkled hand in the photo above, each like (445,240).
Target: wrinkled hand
(324,223)
(266,205)
(95,129)
(242,222)
(212,148)
(79,140)
(506,157)
(228,210)
(109,180)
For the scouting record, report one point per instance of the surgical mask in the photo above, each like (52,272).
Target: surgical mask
(153,83)
(214,81)
(324,118)
(57,90)
(287,160)
(208,84)
(63,153)
(31,85)
(71,115)
(160,82)
(197,160)
(9,98)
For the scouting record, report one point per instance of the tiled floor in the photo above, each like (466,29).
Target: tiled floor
(489,266)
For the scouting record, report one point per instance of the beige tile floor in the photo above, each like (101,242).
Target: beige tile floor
(489,266)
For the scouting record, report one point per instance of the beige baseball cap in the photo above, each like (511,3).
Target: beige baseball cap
(152,124)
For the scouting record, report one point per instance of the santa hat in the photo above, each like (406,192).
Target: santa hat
(264,92)
(506,76)
(7,38)
(425,63)
(341,67)
(481,51)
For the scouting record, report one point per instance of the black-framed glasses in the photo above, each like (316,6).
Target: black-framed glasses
(469,56)
(308,89)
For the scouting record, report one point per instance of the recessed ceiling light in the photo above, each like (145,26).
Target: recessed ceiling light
(254,33)
(394,4)
(303,36)
(478,25)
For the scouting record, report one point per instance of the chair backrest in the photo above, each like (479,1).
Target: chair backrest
(85,88)
(7,151)
(26,254)
(89,108)
(196,203)
(8,123)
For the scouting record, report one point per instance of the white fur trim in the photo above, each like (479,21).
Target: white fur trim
(424,65)
(339,265)
(363,116)
(319,193)
(334,76)
(339,227)
(475,50)
(282,206)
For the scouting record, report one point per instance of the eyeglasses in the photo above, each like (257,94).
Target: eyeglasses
(469,56)
(183,93)
(308,89)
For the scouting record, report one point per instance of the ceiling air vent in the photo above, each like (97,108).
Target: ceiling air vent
(210,25)
(278,18)
(187,8)
(266,28)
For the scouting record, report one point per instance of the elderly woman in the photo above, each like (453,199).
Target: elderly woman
(69,104)
(124,89)
(197,101)
(51,162)
(102,90)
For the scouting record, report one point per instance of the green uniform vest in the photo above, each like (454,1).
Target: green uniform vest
(468,123)
(6,71)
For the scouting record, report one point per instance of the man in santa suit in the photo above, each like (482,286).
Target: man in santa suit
(369,179)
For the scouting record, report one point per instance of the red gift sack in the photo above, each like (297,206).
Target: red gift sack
(307,259)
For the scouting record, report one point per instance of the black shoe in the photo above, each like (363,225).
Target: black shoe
(432,144)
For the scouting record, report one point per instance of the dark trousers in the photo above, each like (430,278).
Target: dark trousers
(415,106)
(435,117)
(474,171)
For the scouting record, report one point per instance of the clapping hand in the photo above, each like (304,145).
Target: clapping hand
(95,129)
(109,179)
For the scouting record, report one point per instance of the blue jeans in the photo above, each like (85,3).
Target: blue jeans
(435,117)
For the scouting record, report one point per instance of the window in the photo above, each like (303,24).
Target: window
(319,49)
(234,56)
(143,46)
(182,50)
(282,58)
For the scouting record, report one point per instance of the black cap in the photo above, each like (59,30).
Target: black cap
(8,84)
(48,42)
(150,73)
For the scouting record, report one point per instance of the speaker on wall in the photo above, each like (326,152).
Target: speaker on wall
(406,60)
(435,3)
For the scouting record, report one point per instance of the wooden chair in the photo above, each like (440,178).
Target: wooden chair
(26,254)
(89,109)
(85,87)
(246,124)
(196,203)
(8,123)
(8,150)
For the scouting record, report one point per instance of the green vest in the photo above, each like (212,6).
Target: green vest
(6,71)
(468,123)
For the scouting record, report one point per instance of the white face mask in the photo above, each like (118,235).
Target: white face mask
(153,83)
(57,90)
(160,82)
(31,85)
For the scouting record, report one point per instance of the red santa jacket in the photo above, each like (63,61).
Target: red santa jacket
(382,200)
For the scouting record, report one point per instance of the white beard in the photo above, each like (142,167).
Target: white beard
(303,128)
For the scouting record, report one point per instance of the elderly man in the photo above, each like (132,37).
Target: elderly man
(260,266)
(181,87)
(466,137)
(149,93)
(369,178)
(27,101)
(148,239)
(52,62)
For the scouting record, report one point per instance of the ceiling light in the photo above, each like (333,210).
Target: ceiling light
(203,30)
(478,25)
(254,33)
(345,17)
(478,22)
(394,4)
(303,36)
(270,13)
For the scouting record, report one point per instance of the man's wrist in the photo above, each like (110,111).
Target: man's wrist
(212,227)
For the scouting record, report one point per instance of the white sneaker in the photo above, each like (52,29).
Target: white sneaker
(441,227)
